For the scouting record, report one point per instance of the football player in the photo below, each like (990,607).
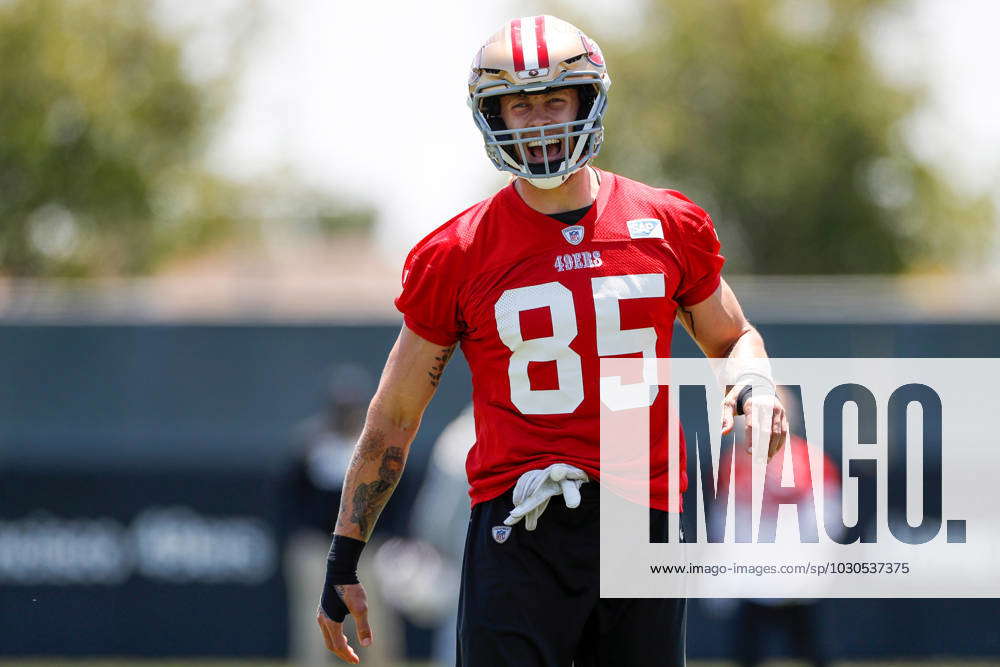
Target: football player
(564,266)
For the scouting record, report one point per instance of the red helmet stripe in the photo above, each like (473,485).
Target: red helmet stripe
(515,40)
(543,49)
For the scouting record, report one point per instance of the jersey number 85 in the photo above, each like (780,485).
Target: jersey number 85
(612,340)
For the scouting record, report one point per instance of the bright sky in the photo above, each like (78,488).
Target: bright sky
(953,46)
(367,99)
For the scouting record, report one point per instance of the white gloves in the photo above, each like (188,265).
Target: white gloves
(535,488)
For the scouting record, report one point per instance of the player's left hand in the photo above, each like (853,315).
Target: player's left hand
(765,410)
(535,488)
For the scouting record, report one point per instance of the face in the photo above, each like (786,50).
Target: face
(524,111)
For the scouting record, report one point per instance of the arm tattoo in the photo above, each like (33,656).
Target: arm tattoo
(370,498)
(440,362)
(369,447)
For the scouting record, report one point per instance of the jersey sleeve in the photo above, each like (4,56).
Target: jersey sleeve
(701,256)
(429,298)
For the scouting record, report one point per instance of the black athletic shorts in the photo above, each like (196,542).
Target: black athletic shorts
(531,599)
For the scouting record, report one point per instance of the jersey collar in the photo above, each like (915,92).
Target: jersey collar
(525,211)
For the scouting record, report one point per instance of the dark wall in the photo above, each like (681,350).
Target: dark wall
(141,563)
(135,447)
(225,396)
(144,465)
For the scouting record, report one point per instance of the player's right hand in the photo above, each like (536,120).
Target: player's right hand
(764,414)
(337,604)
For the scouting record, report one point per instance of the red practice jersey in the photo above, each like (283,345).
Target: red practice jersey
(536,304)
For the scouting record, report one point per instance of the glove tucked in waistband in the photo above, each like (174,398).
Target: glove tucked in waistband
(535,488)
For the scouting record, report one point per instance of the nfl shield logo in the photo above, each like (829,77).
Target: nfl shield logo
(501,533)
(574,234)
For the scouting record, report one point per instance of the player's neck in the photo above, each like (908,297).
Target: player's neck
(578,191)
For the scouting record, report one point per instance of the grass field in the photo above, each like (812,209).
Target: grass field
(128,662)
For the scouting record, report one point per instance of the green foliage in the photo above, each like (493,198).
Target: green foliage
(786,133)
(99,135)
(347,221)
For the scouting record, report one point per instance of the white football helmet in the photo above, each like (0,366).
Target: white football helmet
(532,55)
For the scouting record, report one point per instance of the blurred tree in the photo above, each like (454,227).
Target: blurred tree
(102,128)
(771,115)
(98,131)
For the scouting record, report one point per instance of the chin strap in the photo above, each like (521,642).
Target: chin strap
(550,182)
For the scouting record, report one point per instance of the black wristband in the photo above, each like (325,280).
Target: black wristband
(742,397)
(341,569)
(332,604)
(342,561)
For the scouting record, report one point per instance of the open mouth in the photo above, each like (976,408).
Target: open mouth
(539,149)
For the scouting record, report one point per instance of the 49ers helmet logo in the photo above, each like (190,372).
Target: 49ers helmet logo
(594,54)
(476,70)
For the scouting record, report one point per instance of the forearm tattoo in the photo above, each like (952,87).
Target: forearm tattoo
(370,498)
(440,362)
(369,447)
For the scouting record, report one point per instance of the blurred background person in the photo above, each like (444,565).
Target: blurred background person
(797,483)
(325,443)
(421,576)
